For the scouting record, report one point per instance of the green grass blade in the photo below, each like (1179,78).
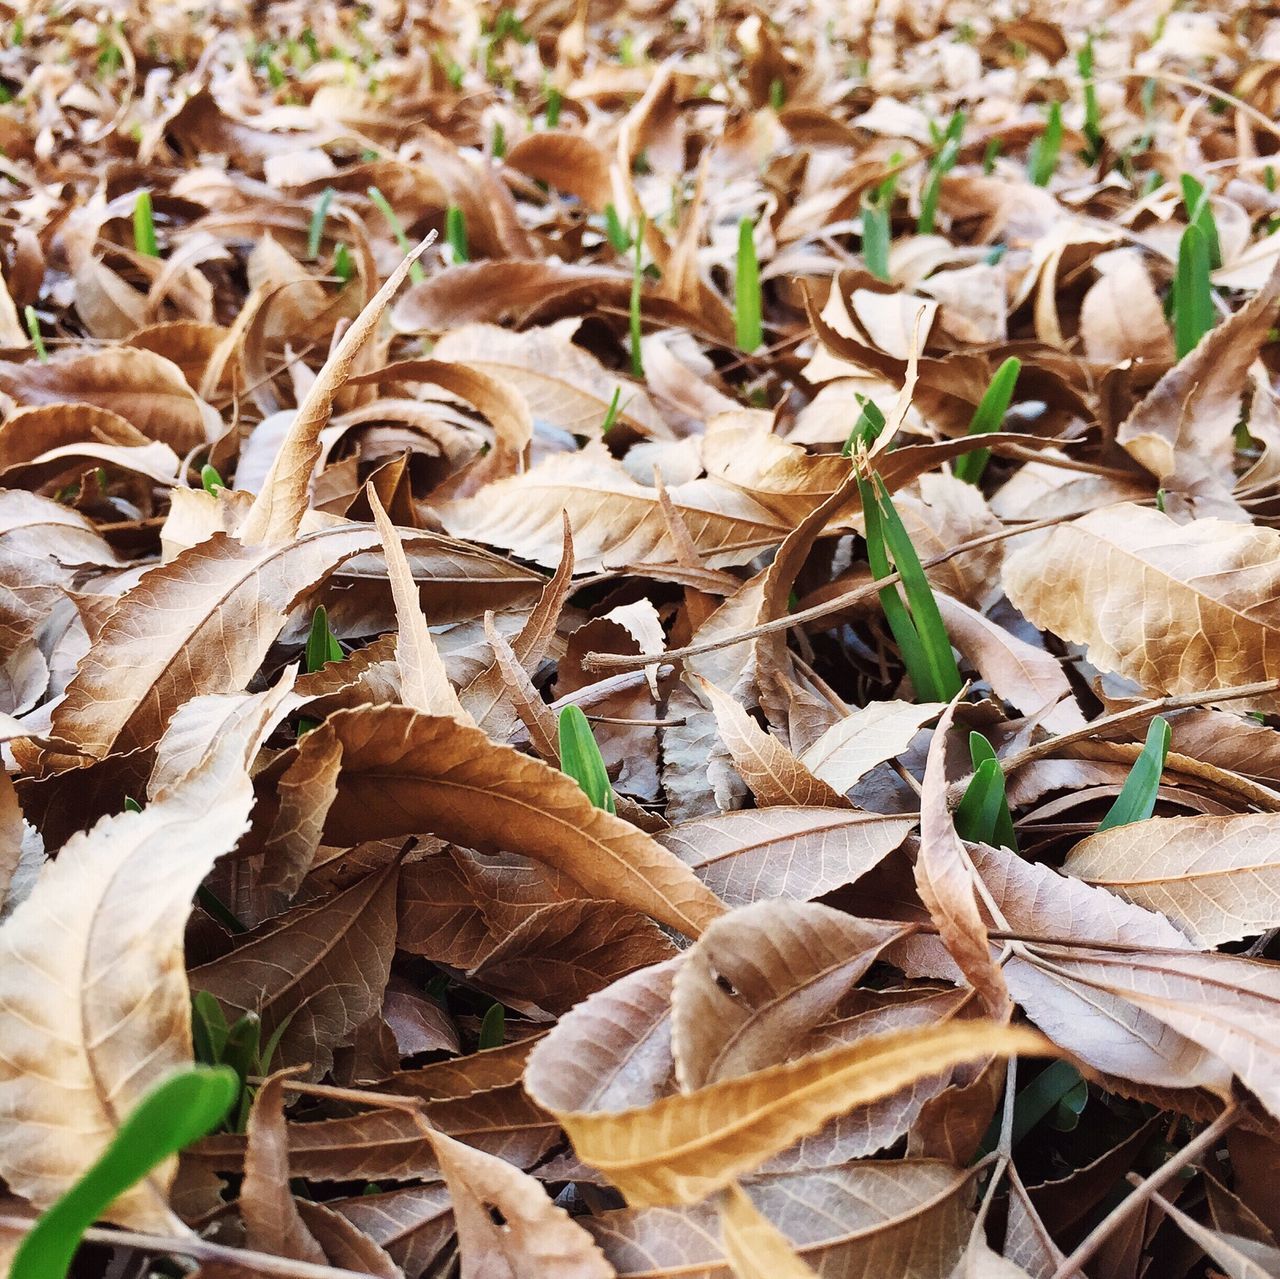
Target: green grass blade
(555,100)
(580,758)
(1041,1096)
(455,231)
(1195,200)
(493,1029)
(987,417)
(208,1028)
(748,312)
(211,480)
(144,226)
(611,413)
(990,153)
(1043,157)
(983,813)
(1092,114)
(876,238)
(633,310)
(343,267)
(1193,313)
(902,627)
(1137,799)
(944,675)
(170,1117)
(319,215)
(943,163)
(383,205)
(614,231)
(37,338)
(322,644)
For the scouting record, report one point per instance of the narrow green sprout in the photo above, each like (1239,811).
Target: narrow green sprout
(989,154)
(1042,159)
(611,413)
(916,624)
(144,226)
(1195,200)
(637,287)
(343,267)
(493,1029)
(875,238)
(275,75)
(626,50)
(1192,294)
(319,215)
(1053,1086)
(322,643)
(982,815)
(1137,799)
(777,93)
(176,1112)
(1269,177)
(1092,114)
(455,231)
(614,231)
(943,163)
(131,805)
(554,103)
(498,146)
(866,430)
(988,417)
(37,338)
(580,758)
(211,480)
(381,203)
(746,295)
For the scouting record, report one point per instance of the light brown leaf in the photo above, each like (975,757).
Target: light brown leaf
(1216,878)
(756,1248)
(100,937)
(680,1149)
(948,884)
(872,734)
(1177,608)
(404,773)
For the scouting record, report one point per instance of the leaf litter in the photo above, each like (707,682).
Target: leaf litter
(650,636)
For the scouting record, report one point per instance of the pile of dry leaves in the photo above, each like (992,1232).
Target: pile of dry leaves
(312,526)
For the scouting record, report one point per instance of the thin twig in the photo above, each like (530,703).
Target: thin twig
(203,1250)
(612,661)
(1166,1172)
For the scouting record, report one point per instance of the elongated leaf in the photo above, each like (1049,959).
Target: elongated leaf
(746,285)
(982,816)
(580,758)
(989,417)
(756,1248)
(1193,310)
(1137,799)
(170,1117)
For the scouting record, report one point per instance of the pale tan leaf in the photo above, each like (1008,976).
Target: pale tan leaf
(773,773)
(1240,1258)
(947,883)
(1177,608)
(872,734)
(279,507)
(1120,316)
(536,1238)
(100,937)
(1216,878)
(756,1248)
(424,685)
(681,1148)
(759,979)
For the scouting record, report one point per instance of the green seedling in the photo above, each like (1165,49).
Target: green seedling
(983,816)
(877,224)
(319,215)
(218,910)
(1137,799)
(945,160)
(990,154)
(1042,159)
(633,309)
(1195,200)
(1092,114)
(580,758)
(498,143)
(237,1045)
(1057,1086)
(455,231)
(916,623)
(322,643)
(37,338)
(211,480)
(777,93)
(144,226)
(988,417)
(866,430)
(555,102)
(176,1112)
(1191,298)
(493,1029)
(747,308)
(611,413)
(614,231)
(383,205)
(343,267)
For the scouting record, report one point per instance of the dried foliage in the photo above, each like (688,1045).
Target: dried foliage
(496,505)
